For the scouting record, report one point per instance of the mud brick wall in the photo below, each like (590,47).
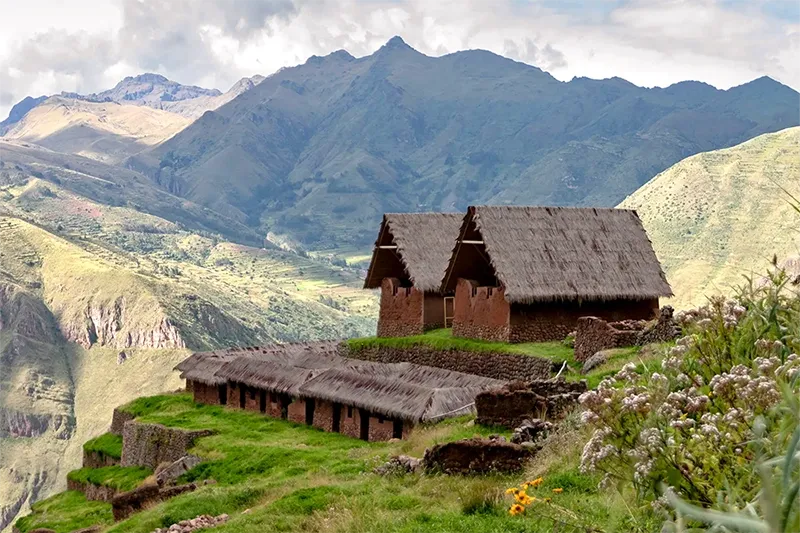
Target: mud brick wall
(351,425)
(273,405)
(510,405)
(297,411)
(205,394)
(497,365)
(118,420)
(380,429)
(664,330)
(149,445)
(476,456)
(594,334)
(433,311)
(323,415)
(401,310)
(481,312)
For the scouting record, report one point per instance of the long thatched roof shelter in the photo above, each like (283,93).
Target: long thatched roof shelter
(545,254)
(415,247)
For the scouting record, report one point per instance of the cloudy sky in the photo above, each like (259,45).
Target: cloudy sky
(48,46)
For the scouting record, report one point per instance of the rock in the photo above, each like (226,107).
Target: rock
(399,465)
(199,522)
(121,357)
(166,475)
(515,402)
(532,431)
(599,358)
(476,456)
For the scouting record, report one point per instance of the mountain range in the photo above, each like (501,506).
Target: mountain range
(154,218)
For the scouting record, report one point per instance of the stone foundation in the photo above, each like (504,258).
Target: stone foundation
(497,365)
(509,406)
(127,503)
(401,310)
(98,460)
(476,456)
(93,492)
(118,420)
(594,334)
(149,445)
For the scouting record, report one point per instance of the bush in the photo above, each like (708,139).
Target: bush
(690,427)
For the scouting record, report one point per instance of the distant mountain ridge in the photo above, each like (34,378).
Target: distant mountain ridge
(319,151)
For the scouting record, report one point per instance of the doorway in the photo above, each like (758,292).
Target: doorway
(310,411)
(284,401)
(364,424)
(337,418)
(223,394)
(449,311)
(397,429)
(262,404)
(242,396)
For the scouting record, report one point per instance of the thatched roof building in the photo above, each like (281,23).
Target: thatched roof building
(523,274)
(541,254)
(413,247)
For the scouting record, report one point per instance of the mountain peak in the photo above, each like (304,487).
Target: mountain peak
(396,42)
(148,77)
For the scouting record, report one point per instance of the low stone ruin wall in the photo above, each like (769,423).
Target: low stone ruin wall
(476,456)
(92,491)
(127,503)
(92,459)
(497,365)
(510,405)
(118,420)
(594,334)
(150,445)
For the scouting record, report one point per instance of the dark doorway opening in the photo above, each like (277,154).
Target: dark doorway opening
(262,404)
(397,429)
(364,423)
(309,411)
(337,417)
(223,394)
(284,401)
(242,396)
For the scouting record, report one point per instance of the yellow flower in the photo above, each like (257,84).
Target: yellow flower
(548,500)
(523,498)
(512,490)
(536,482)
(516,509)
(558,491)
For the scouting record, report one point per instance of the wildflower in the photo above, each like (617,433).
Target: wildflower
(558,490)
(516,509)
(523,499)
(512,490)
(536,482)
(548,500)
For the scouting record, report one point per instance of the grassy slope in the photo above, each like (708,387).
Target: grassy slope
(107,444)
(443,339)
(293,478)
(121,478)
(720,215)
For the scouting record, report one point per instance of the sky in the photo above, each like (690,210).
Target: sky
(49,46)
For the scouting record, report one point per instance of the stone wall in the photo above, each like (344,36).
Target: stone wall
(297,411)
(476,456)
(125,504)
(149,445)
(481,312)
(510,405)
(401,310)
(351,422)
(497,365)
(118,420)
(92,459)
(93,492)
(594,334)
(323,415)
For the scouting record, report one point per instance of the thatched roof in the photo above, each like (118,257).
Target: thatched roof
(390,397)
(266,375)
(205,371)
(565,253)
(424,243)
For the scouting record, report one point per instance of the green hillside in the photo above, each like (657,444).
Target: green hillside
(719,216)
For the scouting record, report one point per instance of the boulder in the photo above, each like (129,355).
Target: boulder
(599,358)
(476,456)
(399,465)
(531,431)
(168,473)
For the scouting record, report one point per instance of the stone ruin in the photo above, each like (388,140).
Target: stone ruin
(512,404)
(476,456)
(594,334)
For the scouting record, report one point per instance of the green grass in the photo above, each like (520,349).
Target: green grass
(442,339)
(122,478)
(293,478)
(66,512)
(107,444)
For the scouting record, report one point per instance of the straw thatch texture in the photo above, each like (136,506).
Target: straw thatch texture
(562,253)
(205,371)
(390,397)
(424,245)
(266,375)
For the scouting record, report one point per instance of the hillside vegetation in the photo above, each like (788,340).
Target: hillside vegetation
(718,216)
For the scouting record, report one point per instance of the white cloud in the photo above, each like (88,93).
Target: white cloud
(213,43)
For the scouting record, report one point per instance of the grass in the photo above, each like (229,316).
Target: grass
(121,478)
(290,478)
(64,512)
(442,339)
(107,444)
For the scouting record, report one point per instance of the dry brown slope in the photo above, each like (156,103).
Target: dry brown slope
(719,216)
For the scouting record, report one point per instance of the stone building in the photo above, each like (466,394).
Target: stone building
(523,274)
(408,263)
(361,399)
